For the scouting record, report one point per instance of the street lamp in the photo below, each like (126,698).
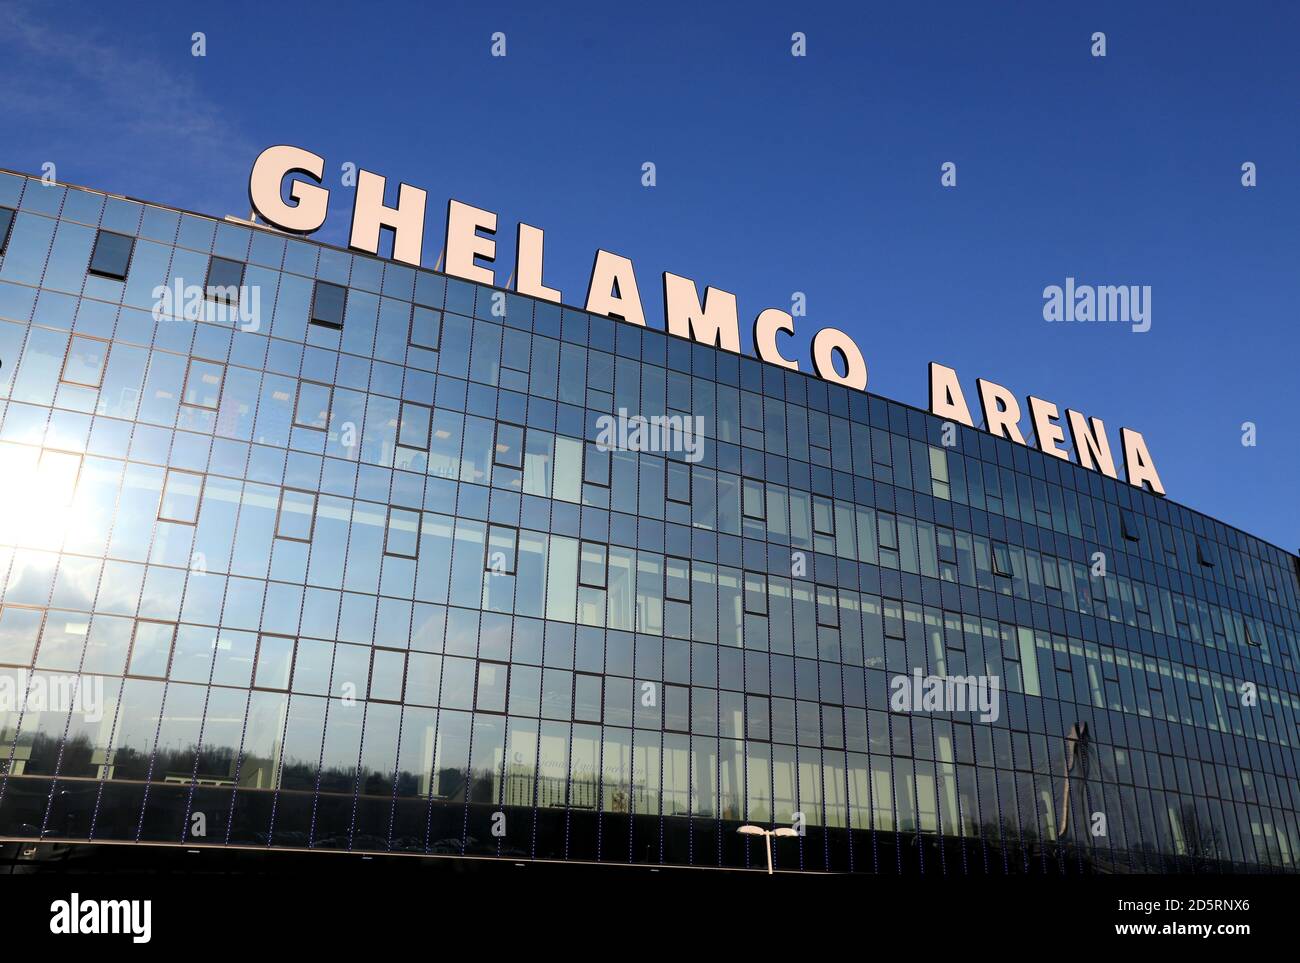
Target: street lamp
(767,835)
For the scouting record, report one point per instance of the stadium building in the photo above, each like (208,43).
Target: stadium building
(306,549)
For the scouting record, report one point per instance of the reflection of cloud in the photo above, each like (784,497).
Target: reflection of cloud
(129,121)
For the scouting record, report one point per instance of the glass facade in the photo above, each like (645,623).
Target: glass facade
(308,549)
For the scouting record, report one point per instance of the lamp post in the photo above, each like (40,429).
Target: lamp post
(767,835)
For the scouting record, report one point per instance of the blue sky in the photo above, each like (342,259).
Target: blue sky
(778,174)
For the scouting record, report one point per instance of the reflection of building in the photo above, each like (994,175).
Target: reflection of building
(367,586)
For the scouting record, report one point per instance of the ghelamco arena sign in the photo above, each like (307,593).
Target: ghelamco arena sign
(469,251)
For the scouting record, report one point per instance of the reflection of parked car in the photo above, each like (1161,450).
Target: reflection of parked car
(23,858)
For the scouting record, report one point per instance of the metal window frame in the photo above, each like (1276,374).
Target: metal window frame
(745,575)
(496,434)
(208,287)
(297,403)
(685,561)
(130,256)
(994,564)
(311,524)
(189,370)
(600,703)
(410,328)
(478,674)
(487,549)
(67,354)
(198,510)
(8,229)
(388,527)
(315,295)
(130,652)
(604,567)
(587,448)
(257,662)
(370,675)
(428,432)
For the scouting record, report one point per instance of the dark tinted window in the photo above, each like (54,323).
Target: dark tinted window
(6,221)
(224,279)
(328,303)
(112,255)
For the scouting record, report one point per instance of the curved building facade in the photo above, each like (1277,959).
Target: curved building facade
(307,549)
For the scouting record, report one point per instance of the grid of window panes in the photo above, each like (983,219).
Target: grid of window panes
(311,549)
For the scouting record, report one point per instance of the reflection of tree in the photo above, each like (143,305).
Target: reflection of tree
(483,785)
(990,830)
(78,754)
(1076,765)
(1200,839)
